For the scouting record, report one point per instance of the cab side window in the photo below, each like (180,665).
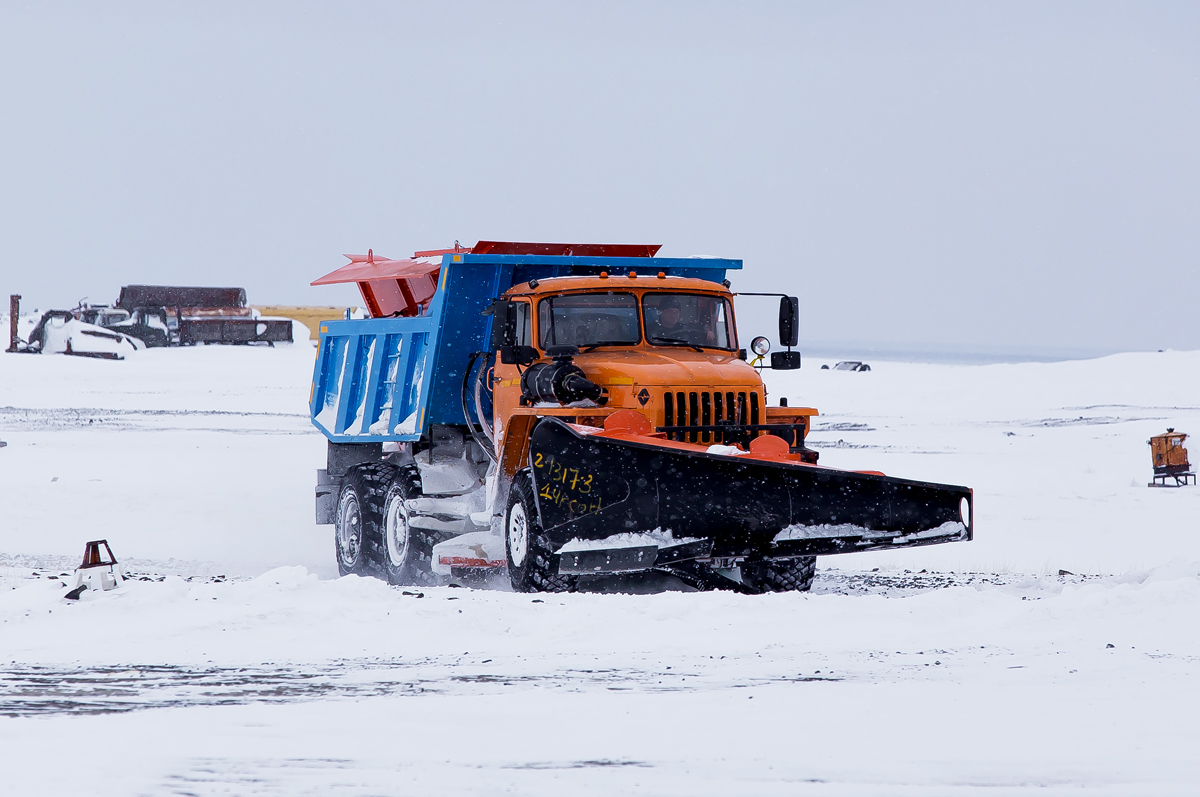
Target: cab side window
(524,325)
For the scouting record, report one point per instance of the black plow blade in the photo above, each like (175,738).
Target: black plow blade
(591,487)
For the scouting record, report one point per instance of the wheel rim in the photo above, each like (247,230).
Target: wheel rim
(349,529)
(518,534)
(396,529)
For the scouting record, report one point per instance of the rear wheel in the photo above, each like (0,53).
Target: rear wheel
(531,564)
(407,551)
(780,575)
(358,524)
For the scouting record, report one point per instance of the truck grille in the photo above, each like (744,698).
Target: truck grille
(708,409)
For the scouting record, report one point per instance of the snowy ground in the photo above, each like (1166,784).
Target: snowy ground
(241,666)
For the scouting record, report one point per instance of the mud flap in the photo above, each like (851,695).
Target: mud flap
(590,487)
(326,498)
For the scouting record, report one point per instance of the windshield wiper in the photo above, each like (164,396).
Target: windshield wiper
(594,346)
(677,342)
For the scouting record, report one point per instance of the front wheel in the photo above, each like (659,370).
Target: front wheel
(407,551)
(780,575)
(531,562)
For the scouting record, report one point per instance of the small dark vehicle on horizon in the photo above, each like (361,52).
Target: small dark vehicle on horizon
(848,365)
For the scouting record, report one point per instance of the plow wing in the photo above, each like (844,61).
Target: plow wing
(593,485)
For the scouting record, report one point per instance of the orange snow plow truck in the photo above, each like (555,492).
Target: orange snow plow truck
(567,412)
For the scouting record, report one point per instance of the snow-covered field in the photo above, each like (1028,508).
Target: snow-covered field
(241,665)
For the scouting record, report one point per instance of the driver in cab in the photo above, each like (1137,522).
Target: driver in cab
(668,326)
(668,318)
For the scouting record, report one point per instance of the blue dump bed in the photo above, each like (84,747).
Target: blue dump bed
(389,379)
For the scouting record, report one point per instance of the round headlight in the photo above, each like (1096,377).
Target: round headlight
(760,346)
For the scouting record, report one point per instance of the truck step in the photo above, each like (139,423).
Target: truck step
(480,550)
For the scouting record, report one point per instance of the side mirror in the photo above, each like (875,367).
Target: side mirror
(504,323)
(518,355)
(785,360)
(789,322)
(504,334)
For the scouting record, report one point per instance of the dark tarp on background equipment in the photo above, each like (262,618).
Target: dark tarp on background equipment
(134,296)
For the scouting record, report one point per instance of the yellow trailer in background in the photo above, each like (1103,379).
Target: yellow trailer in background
(311,317)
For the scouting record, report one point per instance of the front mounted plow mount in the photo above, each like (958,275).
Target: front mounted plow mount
(623,499)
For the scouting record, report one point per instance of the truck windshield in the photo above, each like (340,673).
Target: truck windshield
(588,319)
(682,319)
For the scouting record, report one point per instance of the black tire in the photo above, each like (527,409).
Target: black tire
(532,567)
(406,552)
(358,520)
(780,575)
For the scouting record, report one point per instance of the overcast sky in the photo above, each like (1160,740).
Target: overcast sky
(1000,176)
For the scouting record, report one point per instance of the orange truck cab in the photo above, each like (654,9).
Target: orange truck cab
(666,347)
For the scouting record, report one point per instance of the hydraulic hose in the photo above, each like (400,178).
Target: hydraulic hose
(488,431)
(488,445)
